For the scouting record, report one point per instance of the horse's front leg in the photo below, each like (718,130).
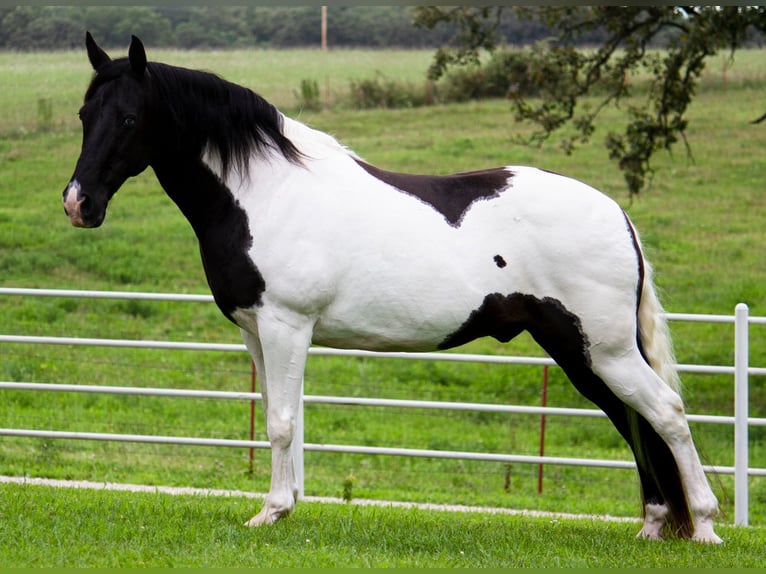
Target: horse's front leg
(279,351)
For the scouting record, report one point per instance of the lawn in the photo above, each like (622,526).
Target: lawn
(44,527)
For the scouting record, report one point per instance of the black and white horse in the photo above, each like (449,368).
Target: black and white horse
(303,242)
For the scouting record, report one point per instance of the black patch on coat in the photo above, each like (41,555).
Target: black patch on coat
(639,255)
(641,275)
(450,195)
(505,316)
(499,261)
(560,333)
(221,226)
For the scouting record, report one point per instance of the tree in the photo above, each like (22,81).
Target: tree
(689,35)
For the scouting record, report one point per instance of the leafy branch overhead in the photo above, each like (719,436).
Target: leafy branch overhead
(564,74)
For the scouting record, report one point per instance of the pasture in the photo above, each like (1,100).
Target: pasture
(702,223)
(44,527)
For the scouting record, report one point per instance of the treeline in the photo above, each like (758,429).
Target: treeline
(63,27)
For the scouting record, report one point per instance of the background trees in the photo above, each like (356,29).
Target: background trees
(62,27)
(565,76)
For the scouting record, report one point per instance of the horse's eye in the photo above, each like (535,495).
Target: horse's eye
(129,121)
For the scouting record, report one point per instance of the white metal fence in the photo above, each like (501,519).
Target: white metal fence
(740,370)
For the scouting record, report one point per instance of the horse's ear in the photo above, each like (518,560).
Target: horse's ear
(98,58)
(137,56)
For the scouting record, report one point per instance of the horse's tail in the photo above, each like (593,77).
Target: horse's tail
(652,453)
(653,332)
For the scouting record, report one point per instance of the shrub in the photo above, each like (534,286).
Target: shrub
(506,71)
(380,92)
(308,97)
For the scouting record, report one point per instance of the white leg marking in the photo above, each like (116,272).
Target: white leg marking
(654,521)
(639,386)
(283,343)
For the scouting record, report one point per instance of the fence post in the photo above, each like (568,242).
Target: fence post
(253,377)
(297,447)
(741,462)
(544,403)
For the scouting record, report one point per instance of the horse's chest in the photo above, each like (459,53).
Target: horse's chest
(233,278)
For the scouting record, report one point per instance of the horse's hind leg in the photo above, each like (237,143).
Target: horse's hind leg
(645,410)
(634,382)
(631,426)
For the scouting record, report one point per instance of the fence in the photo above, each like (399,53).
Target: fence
(740,371)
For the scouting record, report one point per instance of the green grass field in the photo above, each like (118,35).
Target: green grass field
(702,223)
(44,527)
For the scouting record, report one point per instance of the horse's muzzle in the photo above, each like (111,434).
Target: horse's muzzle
(79,207)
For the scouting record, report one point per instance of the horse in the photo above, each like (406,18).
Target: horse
(303,242)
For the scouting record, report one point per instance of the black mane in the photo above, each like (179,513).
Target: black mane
(206,110)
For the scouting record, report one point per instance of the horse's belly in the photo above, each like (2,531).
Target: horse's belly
(410,318)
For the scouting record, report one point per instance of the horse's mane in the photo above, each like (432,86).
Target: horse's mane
(211,114)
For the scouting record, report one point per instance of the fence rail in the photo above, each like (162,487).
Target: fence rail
(741,371)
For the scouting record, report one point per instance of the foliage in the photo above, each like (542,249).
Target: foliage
(63,27)
(505,73)
(308,96)
(382,92)
(565,75)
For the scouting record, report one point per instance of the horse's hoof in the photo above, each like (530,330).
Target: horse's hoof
(713,539)
(703,532)
(707,538)
(649,534)
(268,515)
(258,520)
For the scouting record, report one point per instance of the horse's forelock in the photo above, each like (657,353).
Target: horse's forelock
(107,73)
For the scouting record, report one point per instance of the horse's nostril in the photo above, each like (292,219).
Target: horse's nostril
(85,203)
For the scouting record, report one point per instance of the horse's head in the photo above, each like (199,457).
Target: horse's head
(115,139)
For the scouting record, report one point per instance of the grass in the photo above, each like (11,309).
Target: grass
(701,222)
(44,526)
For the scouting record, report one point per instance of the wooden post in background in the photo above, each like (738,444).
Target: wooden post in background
(324,28)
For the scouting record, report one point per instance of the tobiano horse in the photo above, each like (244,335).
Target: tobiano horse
(303,243)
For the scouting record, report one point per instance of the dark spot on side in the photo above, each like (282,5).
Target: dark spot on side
(450,195)
(499,261)
(222,229)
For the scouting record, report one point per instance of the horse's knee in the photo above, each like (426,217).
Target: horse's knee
(672,418)
(703,502)
(664,410)
(280,427)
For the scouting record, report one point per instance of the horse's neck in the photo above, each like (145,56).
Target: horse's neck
(196,182)
(195,189)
